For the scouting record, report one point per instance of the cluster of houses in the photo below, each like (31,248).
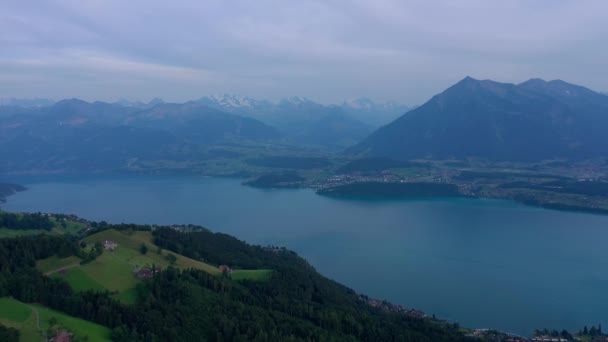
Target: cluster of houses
(225,269)
(495,335)
(549,339)
(147,272)
(109,245)
(390,307)
(61,336)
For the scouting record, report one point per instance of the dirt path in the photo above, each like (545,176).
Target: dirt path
(62,269)
(37,317)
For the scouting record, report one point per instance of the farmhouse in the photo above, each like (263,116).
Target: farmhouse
(225,268)
(62,336)
(109,245)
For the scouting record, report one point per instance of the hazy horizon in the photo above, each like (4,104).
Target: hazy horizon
(5,100)
(325,51)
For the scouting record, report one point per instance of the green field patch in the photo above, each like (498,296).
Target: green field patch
(128,251)
(112,271)
(80,327)
(67,226)
(53,263)
(13,310)
(127,297)
(115,270)
(258,275)
(21,316)
(79,280)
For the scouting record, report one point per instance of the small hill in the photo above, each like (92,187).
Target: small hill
(115,270)
(535,120)
(132,241)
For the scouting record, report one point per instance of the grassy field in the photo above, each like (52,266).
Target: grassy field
(54,262)
(79,280)
(21,316)
(114,270)
(128,250)
(258,275)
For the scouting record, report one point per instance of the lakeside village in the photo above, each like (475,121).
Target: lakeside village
(446,177)
(585,335)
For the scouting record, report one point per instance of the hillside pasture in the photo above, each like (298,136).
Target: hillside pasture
(53,263)
(23,317)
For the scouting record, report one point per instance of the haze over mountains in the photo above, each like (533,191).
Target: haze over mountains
(78,135)
(299,120)
(308,122)
(531,121)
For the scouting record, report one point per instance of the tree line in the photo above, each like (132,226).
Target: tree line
(25,221)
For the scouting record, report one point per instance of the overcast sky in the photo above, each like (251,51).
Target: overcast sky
(326,50)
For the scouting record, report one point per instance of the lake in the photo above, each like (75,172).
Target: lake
(483,263)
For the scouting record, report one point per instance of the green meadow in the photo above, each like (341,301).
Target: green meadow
(114,270)
(54,263)
(23,317)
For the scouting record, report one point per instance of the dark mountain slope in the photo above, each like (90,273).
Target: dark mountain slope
(497,121)
(201,124)
(78,136)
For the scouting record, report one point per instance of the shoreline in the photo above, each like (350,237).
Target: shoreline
(320,191)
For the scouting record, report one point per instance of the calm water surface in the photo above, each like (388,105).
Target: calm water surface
(482,263)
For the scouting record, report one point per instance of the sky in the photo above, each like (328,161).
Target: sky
(386,50)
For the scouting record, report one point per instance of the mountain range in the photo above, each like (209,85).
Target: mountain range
(299,120)
(307,122)
(78,135)
(531,121)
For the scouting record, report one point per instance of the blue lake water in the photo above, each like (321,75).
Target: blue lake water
(483,263)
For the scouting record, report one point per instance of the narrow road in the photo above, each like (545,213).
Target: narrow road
(62,269)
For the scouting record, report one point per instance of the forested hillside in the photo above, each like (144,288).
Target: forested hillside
(295,303)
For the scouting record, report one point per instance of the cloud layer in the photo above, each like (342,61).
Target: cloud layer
(327,50)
